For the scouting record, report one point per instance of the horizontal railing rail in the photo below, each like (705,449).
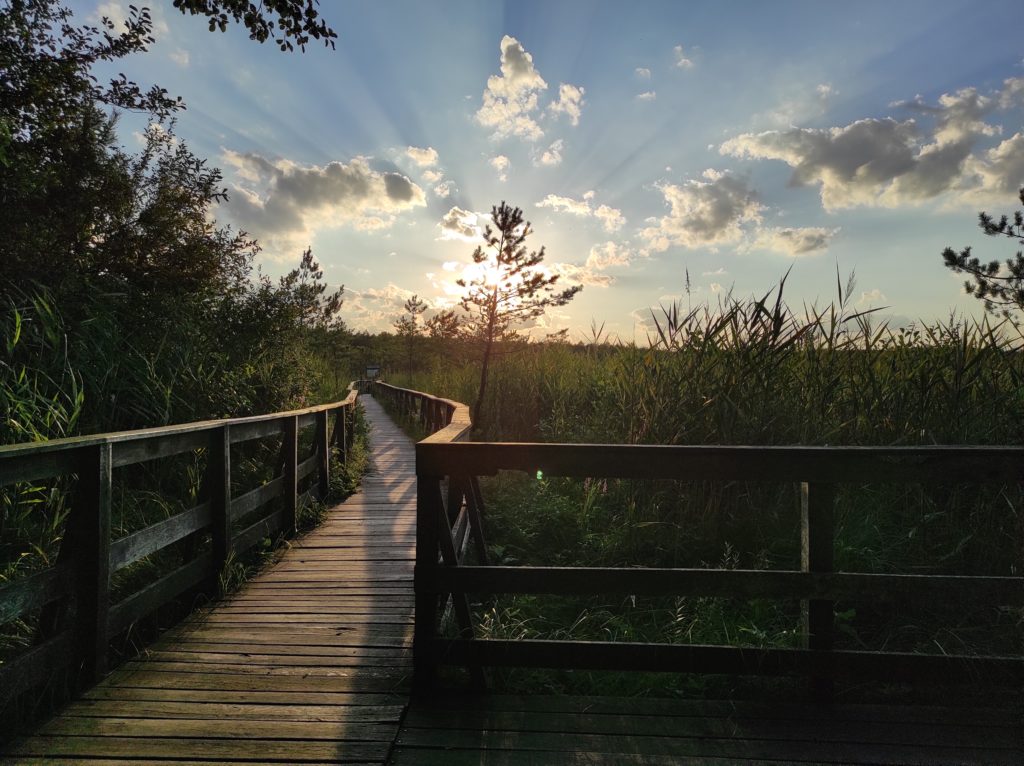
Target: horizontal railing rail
(77,590)
(442,460)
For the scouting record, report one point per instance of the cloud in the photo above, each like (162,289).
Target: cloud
(642,73)
(511,97)
(118,13)
(501,164)
(681,58)
(610,254)
(704,213)
(719,272)
(570,103)
(791,241)
(432,176)
(649,95)
(871,298)
(998,174)
(806,104)
(180,57)
(887,162)
(511,100)
(375,309)
(853,165)
(461,225)
(425,158)
(611,218)
(552,155)
(283,203)
(444,189)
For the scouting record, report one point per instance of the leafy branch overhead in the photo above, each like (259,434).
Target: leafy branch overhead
(999,286)
(287,22)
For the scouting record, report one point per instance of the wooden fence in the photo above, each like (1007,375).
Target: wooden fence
(76,591)
(446,463)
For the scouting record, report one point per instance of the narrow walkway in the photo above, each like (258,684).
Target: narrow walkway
(308,663)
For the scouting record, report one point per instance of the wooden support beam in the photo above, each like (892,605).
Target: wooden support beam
(817,554)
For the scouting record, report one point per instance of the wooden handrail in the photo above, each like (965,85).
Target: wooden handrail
(88,556)
(816,469)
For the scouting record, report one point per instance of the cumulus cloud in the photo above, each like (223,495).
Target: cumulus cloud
(552,155)
(681,58)
(180,57)
(463,225)
(611,218)
(871,298)
(432,176)
(511,97)
(444,189)
(375,309)
(282,203)
(705,212)
(608,255)
(511,100)
(642,73)
(999,172)
(887,162)
(570,103)
(794,242)
(853,164)
(501,164)
(648,95)
(425,158)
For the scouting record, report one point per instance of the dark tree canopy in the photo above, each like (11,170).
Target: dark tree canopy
(1000,286)
(287,22)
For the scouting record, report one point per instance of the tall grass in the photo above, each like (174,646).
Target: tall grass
(755,372)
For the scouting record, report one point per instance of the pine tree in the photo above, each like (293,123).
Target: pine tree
(510,289)
(1000,289)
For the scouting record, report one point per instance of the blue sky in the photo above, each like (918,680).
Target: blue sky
(732,140)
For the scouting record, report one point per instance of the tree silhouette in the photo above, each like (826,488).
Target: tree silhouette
(407,326)
(444,325)
(1001,290)
(508,289)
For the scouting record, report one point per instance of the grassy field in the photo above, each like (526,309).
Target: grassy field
(752,373)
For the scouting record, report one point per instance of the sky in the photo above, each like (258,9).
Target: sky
(730,141)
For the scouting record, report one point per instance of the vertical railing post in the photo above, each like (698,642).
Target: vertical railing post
(92,540)
(341,433)
(817,554)
(323,454)
(290,490)
(428,509)
(219,481)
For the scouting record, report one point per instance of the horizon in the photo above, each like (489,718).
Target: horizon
(732,144)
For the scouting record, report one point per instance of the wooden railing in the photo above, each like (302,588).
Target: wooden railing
(446,459)
(77,589)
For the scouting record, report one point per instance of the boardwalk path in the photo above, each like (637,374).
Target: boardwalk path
(309,663)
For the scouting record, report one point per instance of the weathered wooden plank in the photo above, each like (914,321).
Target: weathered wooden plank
(249,501)
(726,583)
(36,665)
(690,658)
(137,545)
(195,710)
(268,526)
(716,463)
(157,594)
(133,748)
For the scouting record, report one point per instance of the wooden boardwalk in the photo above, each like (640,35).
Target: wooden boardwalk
(310,663)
